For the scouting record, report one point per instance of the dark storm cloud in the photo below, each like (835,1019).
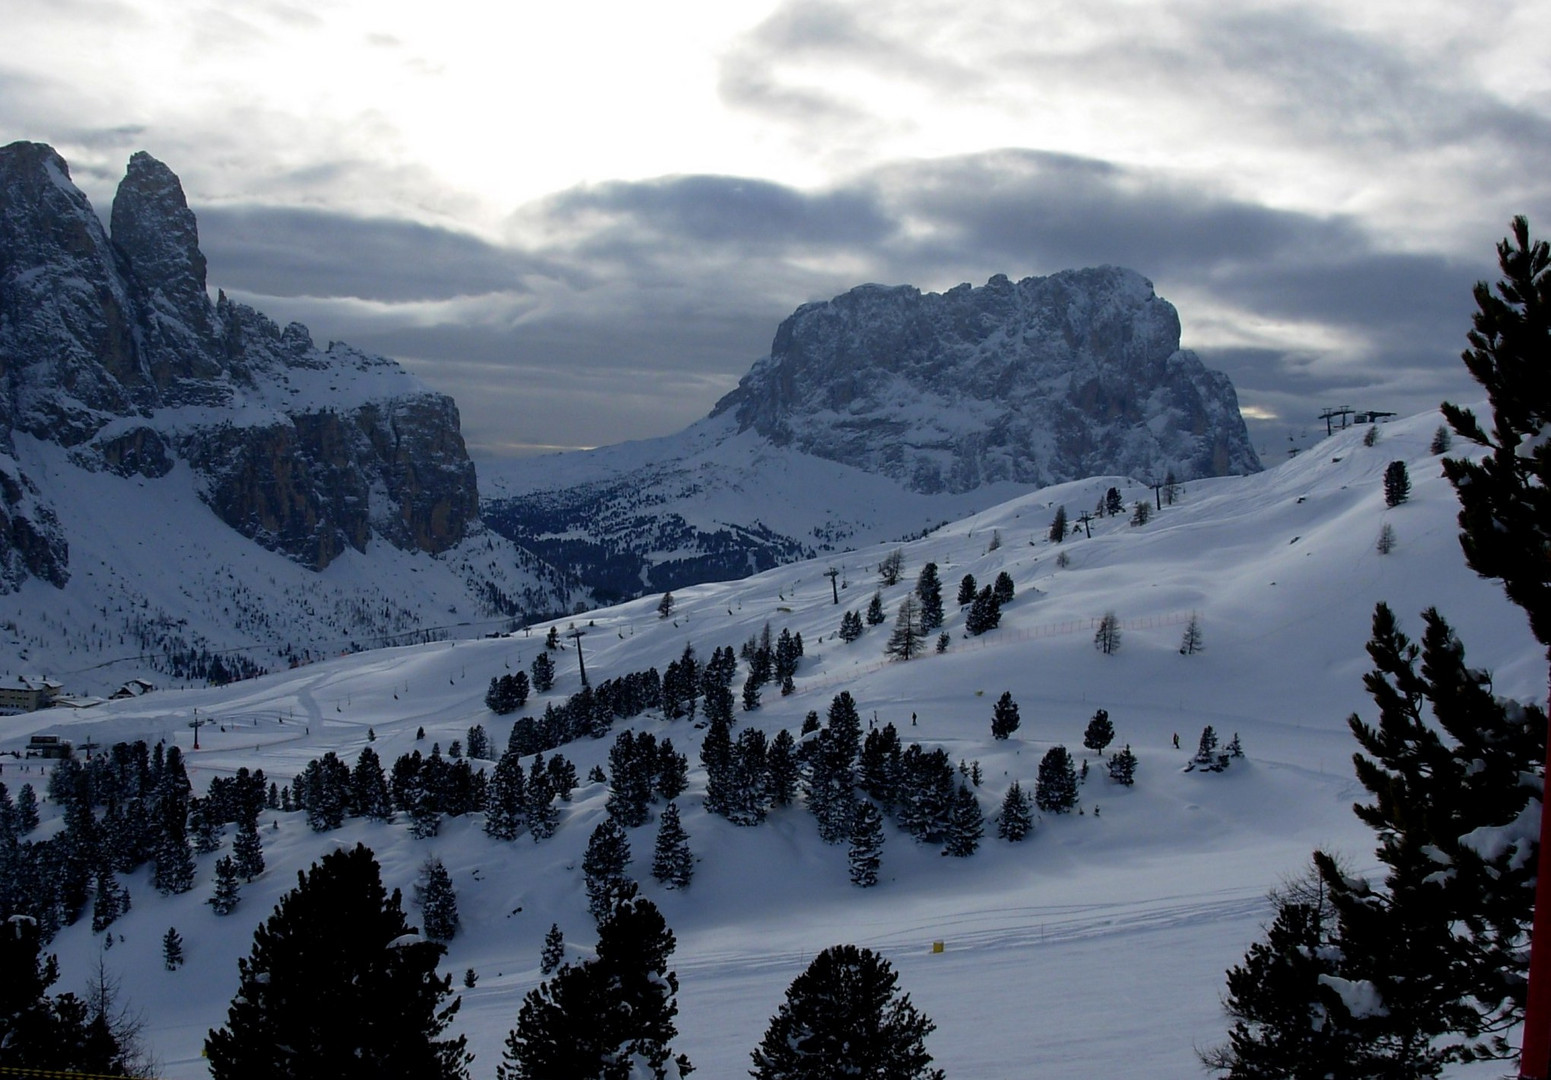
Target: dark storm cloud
(717,210)
(281,251)
(633,305)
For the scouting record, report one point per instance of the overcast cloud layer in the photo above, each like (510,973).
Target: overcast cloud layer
(586,226)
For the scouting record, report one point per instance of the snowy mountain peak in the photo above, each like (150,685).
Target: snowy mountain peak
(1041,381)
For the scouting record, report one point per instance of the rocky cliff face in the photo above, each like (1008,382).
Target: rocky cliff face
(1038,382)
(883,413)
(110,346)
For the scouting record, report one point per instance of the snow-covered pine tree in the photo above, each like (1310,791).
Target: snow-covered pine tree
(506,798)
(1099,733)
(603,867)
(1055,788)
(781,769)
(985,613)
(672,773)
(172,949)
(672,863)
(1004,716)
(966,825)
(247,847)
(1058,525)
(1207,758)
(866,845)
(1002,589)
(929,593)
(1016,819)
(543,672)
(542,814)
(437,900)
(224,899)
(1122,767)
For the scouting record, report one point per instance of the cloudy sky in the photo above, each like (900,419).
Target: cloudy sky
(585,221)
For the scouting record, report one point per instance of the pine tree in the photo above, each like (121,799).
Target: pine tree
(875,614)
(25,813)
(665,606)
(1190,642)
(1099,732)
(1016,820)
(543,669)
(338,938)
(965,825)
(866,845)
(1397,484)
(248,848)
(542,815)
(672,863)
(1055,788)
(1004,716)
(479,742)
(506,799)
(672,773)
(1122,767)
(891,567)
(172,949)
(905,641)
(111,901)
(750,694)
(1002,589)
(1058,525)
(781,769)
(369,787)
(967,590)
(437,901)
(985,613)
(1442,441)
(553,952)
(1106,638)
(1141,513)
(1207,758)
(1288,1020)
(225,897)
(929,593)
(603,867)
(609,1018)
(1113,503)
(844,1016)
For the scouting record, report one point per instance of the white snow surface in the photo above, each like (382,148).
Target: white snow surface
(1099,942)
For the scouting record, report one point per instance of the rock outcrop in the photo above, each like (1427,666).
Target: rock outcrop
(1037,382)
(111,347)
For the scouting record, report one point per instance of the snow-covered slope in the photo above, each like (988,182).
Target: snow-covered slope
(1098,943)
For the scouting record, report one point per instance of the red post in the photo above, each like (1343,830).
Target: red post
(1535,1055)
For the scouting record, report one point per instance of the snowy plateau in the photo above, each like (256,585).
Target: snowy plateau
(1095,947)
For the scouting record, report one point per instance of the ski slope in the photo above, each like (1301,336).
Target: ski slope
(1098,943)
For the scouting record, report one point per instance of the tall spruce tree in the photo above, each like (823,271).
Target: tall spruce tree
(437,901)
(929,593)
(965,825)
(1055,788)
(1004,716)
(332,989)
(672,863)
(1016,820)
(866,845)
(603,867)
(905,640)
